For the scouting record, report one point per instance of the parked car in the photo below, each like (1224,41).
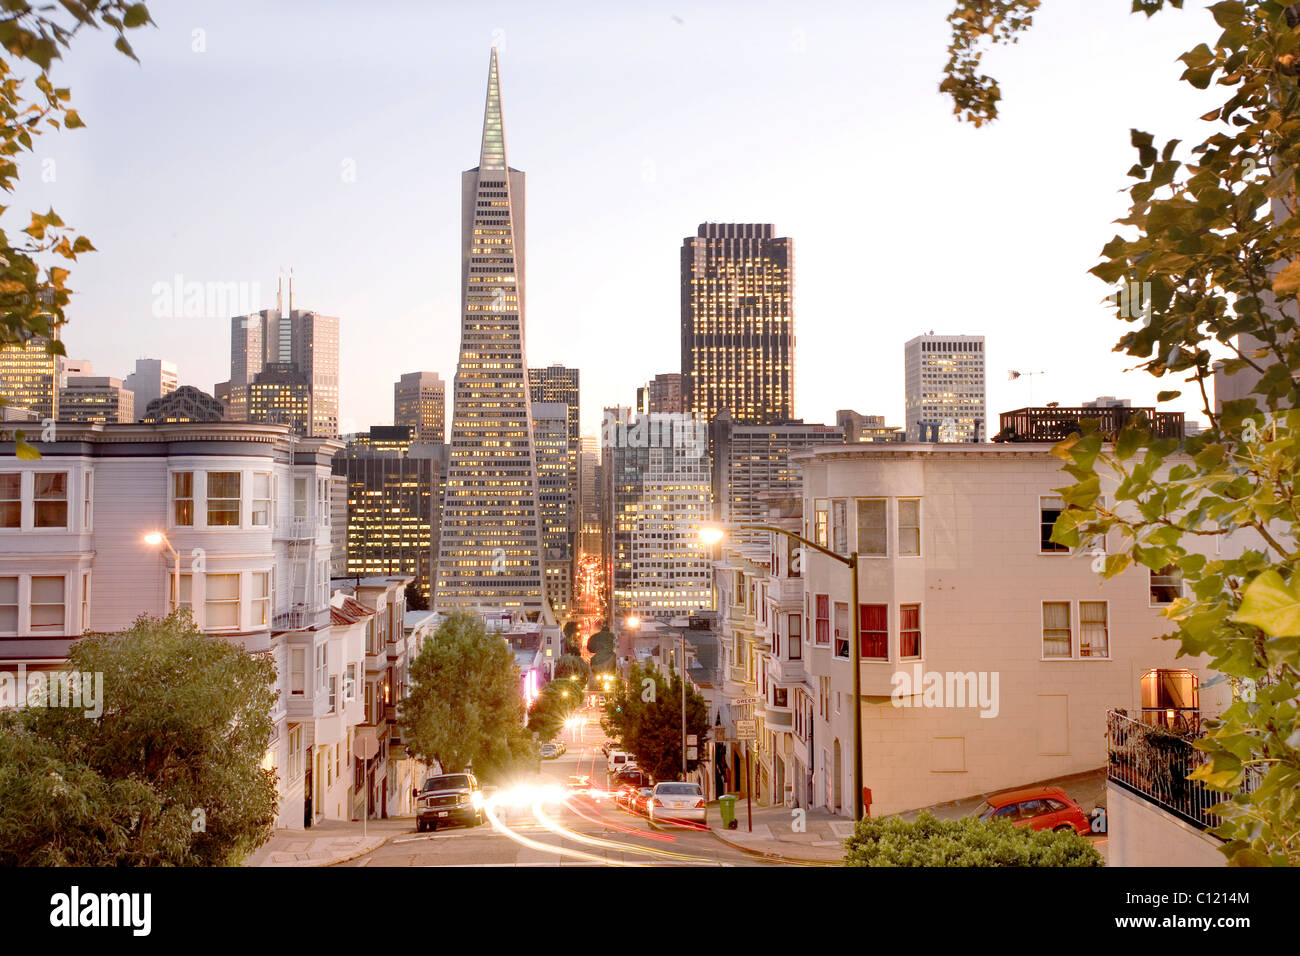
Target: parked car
(448,799)
(562,747)
(677,802)
(1039,808)
(623,796)
(640,801)
(618,760)
(550,751)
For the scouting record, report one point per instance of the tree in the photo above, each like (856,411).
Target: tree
(553,705)
(570,665)
(415,599)
(464,708)
(601,648)
(646,716)
(926,841)
(169,773)
(1214,242)
(33,289)
(572,644)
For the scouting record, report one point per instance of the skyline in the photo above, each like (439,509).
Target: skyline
(660,164)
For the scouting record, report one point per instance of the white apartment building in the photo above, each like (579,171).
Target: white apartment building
(959,579)
(244,506)
(945,388)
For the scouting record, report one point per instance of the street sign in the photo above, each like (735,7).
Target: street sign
(692,740)
(746,730)
(742,701)
(692,753)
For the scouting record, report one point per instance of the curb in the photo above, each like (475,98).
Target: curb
(772,855)
(359,853)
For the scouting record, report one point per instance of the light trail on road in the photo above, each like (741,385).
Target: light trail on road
(560,829)
(498,826)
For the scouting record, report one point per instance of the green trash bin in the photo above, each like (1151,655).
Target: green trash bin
(727,807)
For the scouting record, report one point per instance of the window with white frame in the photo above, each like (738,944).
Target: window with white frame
(261,599)
(183,499)
(1166,585)
(47,604)
(295,752)
(322,501)
(9,604)
(873,534)
(322,667)
(1049,509)
(87,500)
(300,497)
(50,495)
(85,599)
(220,601)
(909,527)
(334,693)
(350,683)
(821,523)
(186,601)
(1094,637)
(11,499)
(261,515)
(223,499)
(1057,635)
(840,526)
(842,634)
(297,671)
(909,631)
(795,642)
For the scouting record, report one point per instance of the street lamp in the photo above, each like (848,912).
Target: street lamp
(155,538)
(632,621)
(712,534)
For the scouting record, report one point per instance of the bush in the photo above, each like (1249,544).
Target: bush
(928,841)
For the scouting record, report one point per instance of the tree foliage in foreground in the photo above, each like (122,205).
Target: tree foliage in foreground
(33,287)
(464,707)
(556,701)
(169,774)
(927,841)
(1216,236)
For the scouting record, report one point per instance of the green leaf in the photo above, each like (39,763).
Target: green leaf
(1167,396)
(1287,281)
(1271,605)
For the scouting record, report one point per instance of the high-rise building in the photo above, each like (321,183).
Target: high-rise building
(270,348)
(95,398)
(394,489)
(69,367)
(556,383)
(152,378)
(29,379)
(662,394)
(555,498)
(491,548)
(738,323)
(868,428)
(752,461)
(945,395)
(420,401)
(588,506)
(658,489)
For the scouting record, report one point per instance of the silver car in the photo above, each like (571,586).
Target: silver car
(677,803)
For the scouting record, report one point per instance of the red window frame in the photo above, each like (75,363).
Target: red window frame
(823,606)
(874,622)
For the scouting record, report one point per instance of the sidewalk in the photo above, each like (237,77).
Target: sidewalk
(328,842)
(814,836)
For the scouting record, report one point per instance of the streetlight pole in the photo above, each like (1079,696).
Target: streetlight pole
(855,655)
(156,538)
(683,679)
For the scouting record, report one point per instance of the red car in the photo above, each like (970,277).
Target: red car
(1039,808)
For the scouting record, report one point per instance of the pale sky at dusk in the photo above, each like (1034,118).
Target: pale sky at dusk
(633,127)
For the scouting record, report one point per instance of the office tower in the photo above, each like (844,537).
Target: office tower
(491,550)
(555,499)
(945,388)
(738,323)
(664,393)
(394,489)
(658,489)
(752,461)
(283,351)
(867,428)
(186,404)
(588,506)
(152,378)
(420,401)
(556,383)
(91,398)
(69,367)
(29,379)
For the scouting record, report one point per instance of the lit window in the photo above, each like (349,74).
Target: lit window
(183,498)
(223,499)
(11,501)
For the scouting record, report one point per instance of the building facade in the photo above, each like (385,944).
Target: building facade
(29,380)
(95,398)
(945,396)
(185,404)
(738,323)
(555,498)
(152,378)
(490,548)
(420,402)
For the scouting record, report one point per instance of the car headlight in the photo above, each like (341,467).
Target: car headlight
(476,799)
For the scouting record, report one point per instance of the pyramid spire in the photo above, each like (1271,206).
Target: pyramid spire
(493,153)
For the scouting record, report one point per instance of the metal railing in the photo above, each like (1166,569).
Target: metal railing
(1056,423)
(1155,763)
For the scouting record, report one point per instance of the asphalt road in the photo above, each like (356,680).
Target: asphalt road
(577,831)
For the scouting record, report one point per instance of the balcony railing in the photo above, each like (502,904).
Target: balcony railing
(1155,764)
(1055,423)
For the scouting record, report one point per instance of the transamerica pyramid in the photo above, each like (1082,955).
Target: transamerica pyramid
(490,547)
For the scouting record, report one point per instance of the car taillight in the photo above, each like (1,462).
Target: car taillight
(658,802)
(698,804)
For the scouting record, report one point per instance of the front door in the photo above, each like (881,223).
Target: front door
(307,792)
